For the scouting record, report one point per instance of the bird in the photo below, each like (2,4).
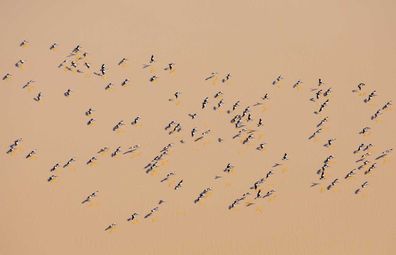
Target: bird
(297,83)
(260,123)
(27,84)
(54,167)
(51,178)
(103,150)
(118,125)
(202,195)
(90,121)
(30,154)
(151,212)
(352,172)
(359,148)
(258,194)
(362,186)
(247,139)
(38,97)
(327,92)
(205,102)
(192,115)
(169,67)
(135,120)
(91,160)
(53,46)
(5,77)
(124,82)
(108,86)
(178,185)
(167,176)
(67,93)
(132,149)
(132,217)
(89,111)
(260,146)
(332,184)
(177,94)
(68,162)
(218,94)
(88,198)
(228,168)
(19,63)
(193,132)
(329,142)
(103,69)
(269,193)
(212,75)
(117,150)
(76,49)
(359,87)
(364,130)
(122,61)
(227,77)
(111,226)
(370,96)
(322,122)
(14,145)
(277,80)
(23,43)
(153,78)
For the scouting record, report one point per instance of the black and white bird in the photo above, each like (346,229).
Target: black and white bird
(69,162)
(54,167)
(31,154)
(178,185)
(118,125)
(359,87)
(38,97)
(67,93)
(91,160)
(123,60)
(132,217)
(51,178)
(169,67)
(5,77)
(19,63)
(117,150)
(53,46)
(23,43)
(135,120)
(228,168)
(153,78)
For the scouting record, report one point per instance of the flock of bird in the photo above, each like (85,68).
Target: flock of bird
(243,119)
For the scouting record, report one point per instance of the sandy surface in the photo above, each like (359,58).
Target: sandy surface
(342,42)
